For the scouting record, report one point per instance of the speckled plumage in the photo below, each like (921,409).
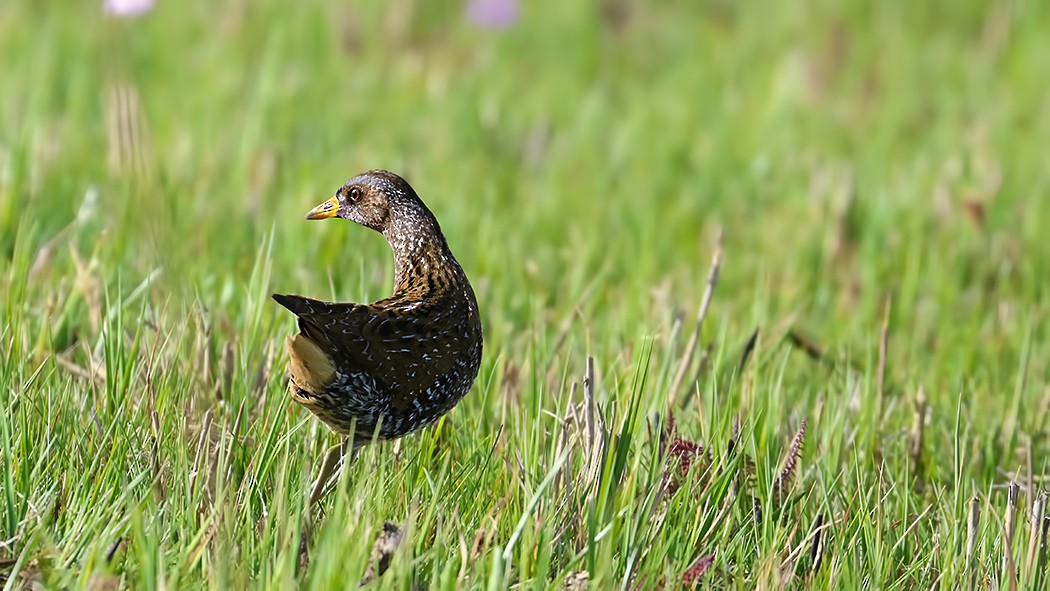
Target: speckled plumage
(400,363)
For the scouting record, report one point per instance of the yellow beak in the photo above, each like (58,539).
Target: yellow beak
(326,210)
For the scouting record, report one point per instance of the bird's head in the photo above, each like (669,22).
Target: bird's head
(374,199)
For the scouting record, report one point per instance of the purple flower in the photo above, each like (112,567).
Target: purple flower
(127,8)
(493,14)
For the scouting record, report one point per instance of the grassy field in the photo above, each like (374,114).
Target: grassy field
(871,376)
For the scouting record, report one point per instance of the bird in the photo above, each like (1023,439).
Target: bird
(389,368)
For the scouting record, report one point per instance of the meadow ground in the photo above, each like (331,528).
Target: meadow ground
(879,173)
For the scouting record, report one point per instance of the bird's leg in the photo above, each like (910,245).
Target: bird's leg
(329,468)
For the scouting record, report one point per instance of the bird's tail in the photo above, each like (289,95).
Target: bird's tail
(297,305)
(306,311)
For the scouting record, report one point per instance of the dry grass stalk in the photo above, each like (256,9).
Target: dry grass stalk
(1036,540)
(932,569)
(1043,524)
(690,349)
(594,423)
(198,457)
(1008,535)
(562,485)
(973,523)
(159,487)
(588,401)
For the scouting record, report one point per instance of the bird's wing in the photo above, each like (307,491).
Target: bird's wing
(403,352)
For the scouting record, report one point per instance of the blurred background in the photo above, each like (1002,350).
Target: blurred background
(850,151)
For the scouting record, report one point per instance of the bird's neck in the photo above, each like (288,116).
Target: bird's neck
(423,263)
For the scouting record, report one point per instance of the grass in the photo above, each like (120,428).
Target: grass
(878,170)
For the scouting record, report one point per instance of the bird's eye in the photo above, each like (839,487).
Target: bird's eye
(355,194)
